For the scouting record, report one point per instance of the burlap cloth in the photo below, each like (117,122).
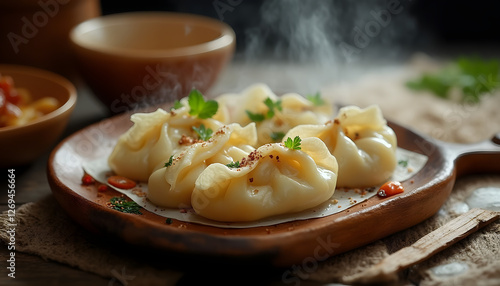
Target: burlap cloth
(45,230)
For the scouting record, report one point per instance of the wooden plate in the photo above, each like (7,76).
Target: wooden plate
(286,244)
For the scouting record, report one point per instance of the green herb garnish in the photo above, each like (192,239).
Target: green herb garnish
(403,163)
(233,164)
(294,143)
(271,105)
(199,107)
(277,136)
(315,99)
(168,221)
(256,117)
(472,76)
(120,204)
(203,133)
(170,161)
(177,105)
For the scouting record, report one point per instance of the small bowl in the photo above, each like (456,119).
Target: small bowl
(136,58)
(21,145)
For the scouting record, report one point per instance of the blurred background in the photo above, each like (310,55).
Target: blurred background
(296,29)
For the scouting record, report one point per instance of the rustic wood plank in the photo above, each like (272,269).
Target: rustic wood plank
(441,238)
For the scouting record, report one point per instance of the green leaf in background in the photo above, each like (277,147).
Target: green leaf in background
(255,117)
(472,76)
(277,136)
(315,99)
(272,105)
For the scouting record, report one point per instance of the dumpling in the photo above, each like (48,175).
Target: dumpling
(363,144)
(172,186)
(272,180)
(289,110)
(153,138)
(233,106)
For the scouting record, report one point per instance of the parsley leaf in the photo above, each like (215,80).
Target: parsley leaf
(170,161)
(271,105)
(315,99)
(403,163)
(177,105)
(277,136)
(474,77)
(294,143)
(256,117)
(233,164)
(120,204)
(199,107)
(203,133)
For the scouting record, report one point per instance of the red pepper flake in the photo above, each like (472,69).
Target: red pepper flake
(278,158)
(87,180)
(251,180)
(183,211)
(102,188)
(390,188)
(271,156)
(121,182)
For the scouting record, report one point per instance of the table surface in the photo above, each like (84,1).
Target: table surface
(32,185)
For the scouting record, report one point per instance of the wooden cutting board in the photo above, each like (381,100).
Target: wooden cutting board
(282,245)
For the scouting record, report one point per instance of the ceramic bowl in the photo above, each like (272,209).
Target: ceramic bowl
(135,58)
(20,145)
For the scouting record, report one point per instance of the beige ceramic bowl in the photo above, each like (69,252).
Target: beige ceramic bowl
(21,145)
(150,57)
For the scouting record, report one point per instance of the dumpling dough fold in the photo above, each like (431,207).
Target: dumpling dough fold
(150,142)
(172,186)
(295,110)
(363,144)
(272,180)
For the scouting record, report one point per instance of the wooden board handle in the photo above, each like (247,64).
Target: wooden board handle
(425,247)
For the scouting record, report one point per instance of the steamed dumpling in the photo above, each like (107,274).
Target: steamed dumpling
(272,180)
(295,110)
(153,138)
(172,186)
(363,144)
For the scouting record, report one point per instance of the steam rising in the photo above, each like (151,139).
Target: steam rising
(303,44)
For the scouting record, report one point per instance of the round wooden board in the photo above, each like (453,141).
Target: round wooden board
(282,245)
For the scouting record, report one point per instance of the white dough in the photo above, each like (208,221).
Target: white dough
(275,180)
(172,186)
(363,144)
